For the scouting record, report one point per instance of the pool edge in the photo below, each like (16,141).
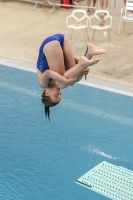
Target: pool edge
(91,82)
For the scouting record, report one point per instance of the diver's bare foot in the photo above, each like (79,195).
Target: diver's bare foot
(94,50)
(85,62)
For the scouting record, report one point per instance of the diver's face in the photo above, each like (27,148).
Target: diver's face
(54,93)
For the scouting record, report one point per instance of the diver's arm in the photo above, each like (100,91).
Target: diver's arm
(44,79)
(64,85)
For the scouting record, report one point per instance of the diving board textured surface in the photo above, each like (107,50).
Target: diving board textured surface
(110,180)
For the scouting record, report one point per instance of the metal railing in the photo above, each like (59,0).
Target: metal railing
(79,4)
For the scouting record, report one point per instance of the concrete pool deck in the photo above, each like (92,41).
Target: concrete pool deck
(22,30)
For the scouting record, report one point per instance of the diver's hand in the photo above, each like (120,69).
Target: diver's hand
(86,72)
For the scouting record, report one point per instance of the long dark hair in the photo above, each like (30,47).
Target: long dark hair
(47,101)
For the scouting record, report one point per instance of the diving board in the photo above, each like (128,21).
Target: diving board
(110,180)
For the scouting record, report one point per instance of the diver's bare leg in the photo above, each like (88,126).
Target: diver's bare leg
(68,55)
(82,64)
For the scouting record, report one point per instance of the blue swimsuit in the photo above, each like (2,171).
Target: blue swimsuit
(42,63)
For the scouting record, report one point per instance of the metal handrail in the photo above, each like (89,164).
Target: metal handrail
(55,5)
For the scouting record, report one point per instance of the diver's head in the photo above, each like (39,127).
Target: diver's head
(51,97)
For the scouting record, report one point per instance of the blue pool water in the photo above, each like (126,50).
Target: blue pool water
(41,160)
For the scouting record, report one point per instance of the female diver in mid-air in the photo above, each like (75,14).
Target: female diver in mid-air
(57,67)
